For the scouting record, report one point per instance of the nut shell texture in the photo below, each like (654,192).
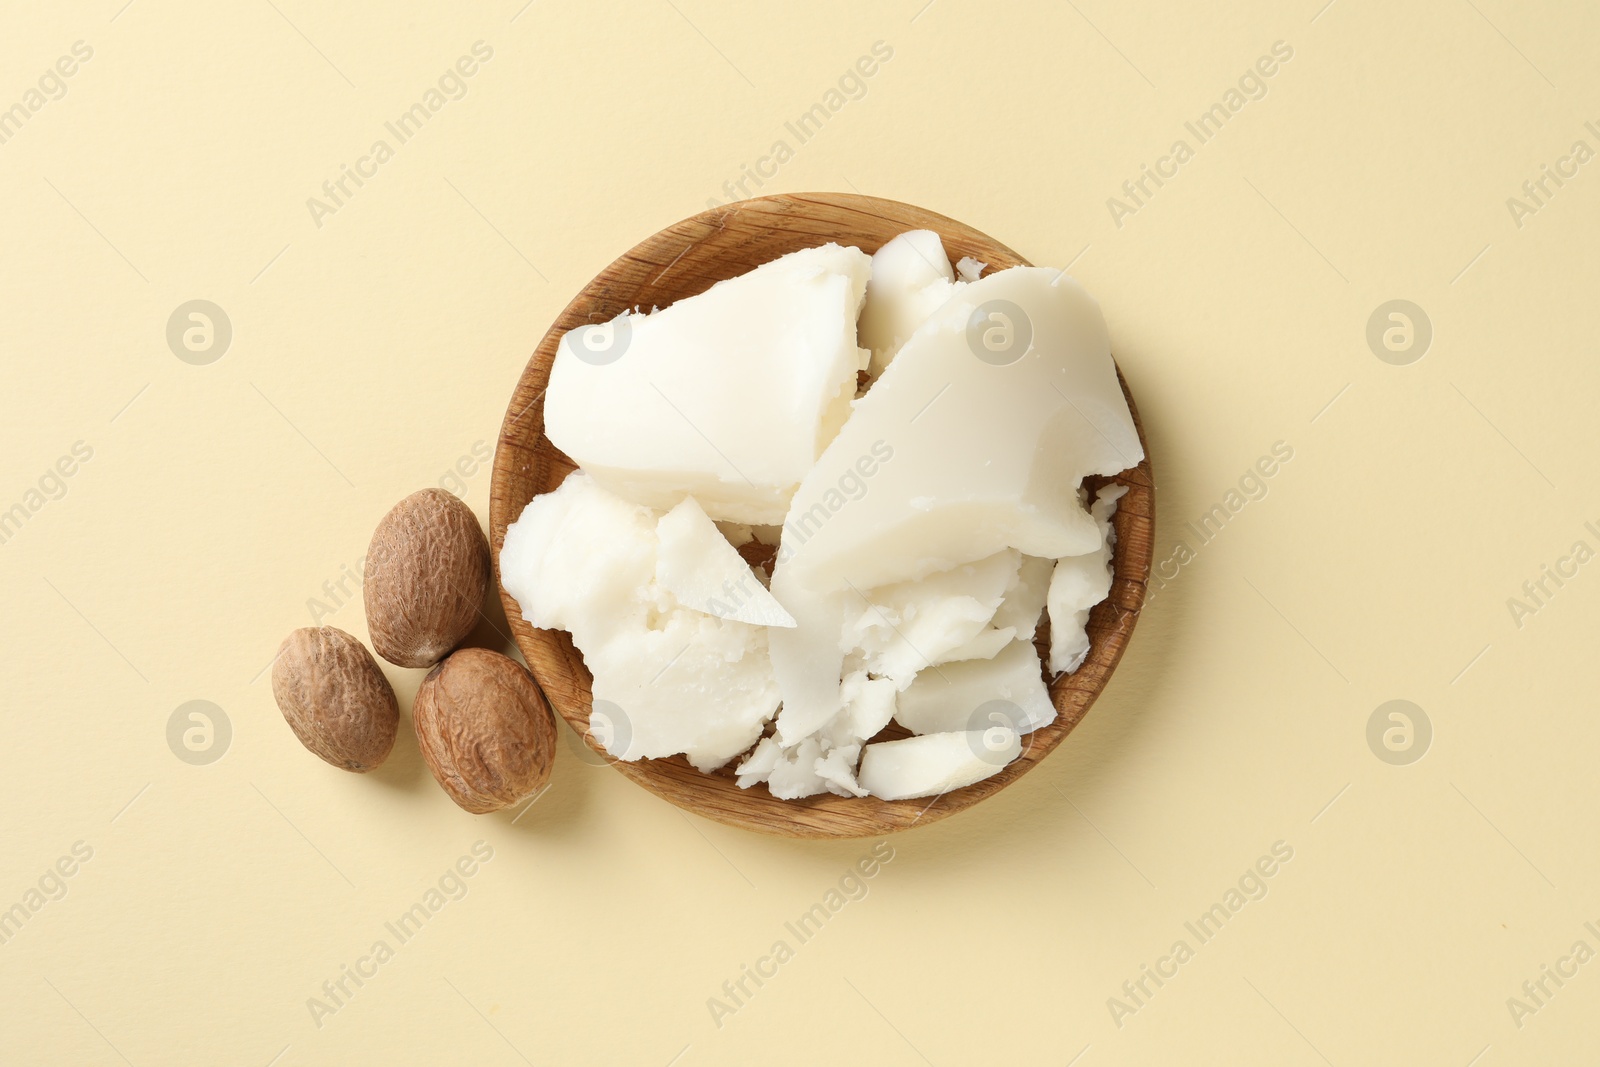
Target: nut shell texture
(485,730)
(427,571)
(335,698)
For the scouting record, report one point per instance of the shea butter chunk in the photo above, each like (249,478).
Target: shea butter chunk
(905,627)
(1025,597)
(581,559)
(1018,616)
(728,396)
(690,683)
(1078,584)
(936,763)
(970,694)
(702,570)
(911,278)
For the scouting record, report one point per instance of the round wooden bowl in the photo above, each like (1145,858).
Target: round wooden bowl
(683,260)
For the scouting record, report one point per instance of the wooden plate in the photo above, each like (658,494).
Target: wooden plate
(683,260)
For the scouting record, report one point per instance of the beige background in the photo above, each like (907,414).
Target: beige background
(373,352)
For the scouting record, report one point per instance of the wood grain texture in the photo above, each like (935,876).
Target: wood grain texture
(686,259)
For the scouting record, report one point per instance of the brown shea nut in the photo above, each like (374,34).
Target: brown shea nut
(485,730)
(335,697)
(426,574)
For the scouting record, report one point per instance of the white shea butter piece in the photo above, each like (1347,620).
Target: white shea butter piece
(581,559)
(728,396)
(936,763)
(1025,598)
(911,279)
(838,771)
(691,683)
(904,627)
(868,706)
(1018,615)
(969,269)
(794,774)
(984,646)
(701,570)
(979,693)
(757,767)
(990,417)
(1078,584)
